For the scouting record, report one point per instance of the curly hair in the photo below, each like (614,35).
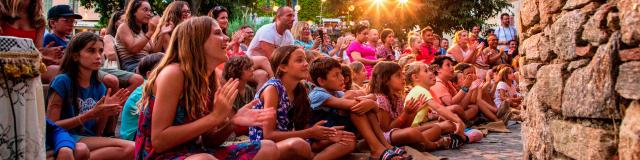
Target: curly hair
(235,66)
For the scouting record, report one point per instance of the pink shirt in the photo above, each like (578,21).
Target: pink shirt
(365,51)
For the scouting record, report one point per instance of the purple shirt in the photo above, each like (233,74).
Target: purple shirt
(365,51)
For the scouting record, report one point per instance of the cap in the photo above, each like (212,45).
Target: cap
(62,11)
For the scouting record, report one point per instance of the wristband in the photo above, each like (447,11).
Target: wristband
(464,89)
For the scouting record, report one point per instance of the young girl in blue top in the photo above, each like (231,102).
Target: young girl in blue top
(79,103)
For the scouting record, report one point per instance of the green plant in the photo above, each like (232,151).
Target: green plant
(236,23)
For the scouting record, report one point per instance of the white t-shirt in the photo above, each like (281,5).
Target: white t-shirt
(505,34)
(268,33)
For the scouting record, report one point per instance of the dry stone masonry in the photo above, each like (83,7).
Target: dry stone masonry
(581,79)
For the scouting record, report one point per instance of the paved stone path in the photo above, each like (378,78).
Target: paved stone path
(494,146)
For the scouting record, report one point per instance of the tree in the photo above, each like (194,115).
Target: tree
(105,8)
(443,16)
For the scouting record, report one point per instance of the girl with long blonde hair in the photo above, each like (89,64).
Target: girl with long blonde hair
(183,102)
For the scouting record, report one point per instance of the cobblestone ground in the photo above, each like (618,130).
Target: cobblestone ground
(494,146)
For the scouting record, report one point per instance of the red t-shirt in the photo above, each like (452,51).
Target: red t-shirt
(427,53)
(8,30)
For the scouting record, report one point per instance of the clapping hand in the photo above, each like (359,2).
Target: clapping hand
(342,137)
(110,105)
(168,28)
(413,105)
(253,117)
(224,98)
(321,132)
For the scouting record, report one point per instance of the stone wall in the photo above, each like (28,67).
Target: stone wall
(581,79)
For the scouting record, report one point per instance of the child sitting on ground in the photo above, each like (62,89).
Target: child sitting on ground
(422,77)
(359,76)
(488,111)
(506,96)
(240,68)
(288,95)
(60,145)
(183,101)
(329,104)
(81,104)
(387,84)
(129,115)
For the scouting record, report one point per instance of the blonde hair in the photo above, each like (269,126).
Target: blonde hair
(186,48)
(411,69)
(298,28)
(457,36)
(504,74)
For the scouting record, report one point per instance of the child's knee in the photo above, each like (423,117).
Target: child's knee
(269,147)
(446,127)
(201,156)
(128,147)
(82,152)
(293,144)
(135,80)
(260,75)
(111,81)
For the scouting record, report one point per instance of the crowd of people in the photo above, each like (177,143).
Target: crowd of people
(178,87)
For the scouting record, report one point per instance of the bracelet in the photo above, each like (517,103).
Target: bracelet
(464,89)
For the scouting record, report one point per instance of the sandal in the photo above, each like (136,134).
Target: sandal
(402,152)
(457,141)
(388,154)
(443,143)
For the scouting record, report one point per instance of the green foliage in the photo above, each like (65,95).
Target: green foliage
(104,8)
(236,23)
(309,9)
(443,16)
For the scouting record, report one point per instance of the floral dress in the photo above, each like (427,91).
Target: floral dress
(283,121)
(385,104)
(144,149)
